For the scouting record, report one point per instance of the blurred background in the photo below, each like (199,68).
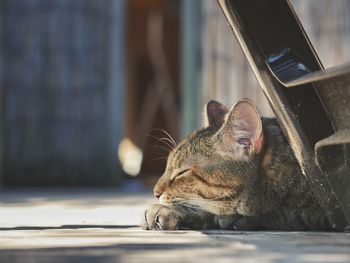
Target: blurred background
(89,87)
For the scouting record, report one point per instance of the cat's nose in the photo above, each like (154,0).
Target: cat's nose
(159,188)
(157,194)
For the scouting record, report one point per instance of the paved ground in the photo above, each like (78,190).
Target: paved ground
(101,226)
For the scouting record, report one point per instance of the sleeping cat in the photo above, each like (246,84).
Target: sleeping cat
(239,173)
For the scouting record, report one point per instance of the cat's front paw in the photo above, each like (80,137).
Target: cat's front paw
(160,217)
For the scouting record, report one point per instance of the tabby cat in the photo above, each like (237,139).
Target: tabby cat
(238,172)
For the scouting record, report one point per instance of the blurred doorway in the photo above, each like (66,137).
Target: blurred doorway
(152,91)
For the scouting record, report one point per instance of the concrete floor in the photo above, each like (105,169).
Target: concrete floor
(101,226)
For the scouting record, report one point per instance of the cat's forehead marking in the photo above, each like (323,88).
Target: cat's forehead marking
(190,148)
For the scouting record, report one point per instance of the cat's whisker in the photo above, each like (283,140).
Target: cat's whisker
(159,158)
(166,150)
(162,140)
(188,205)
(169,136)
(225,194)
(203,202)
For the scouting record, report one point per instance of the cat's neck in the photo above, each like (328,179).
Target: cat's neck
(279,167)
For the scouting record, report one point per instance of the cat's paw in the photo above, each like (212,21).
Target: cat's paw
(160,217)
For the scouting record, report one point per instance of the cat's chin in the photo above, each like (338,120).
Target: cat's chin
(214,209)
(204,206)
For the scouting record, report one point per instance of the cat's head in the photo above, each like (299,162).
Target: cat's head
(216,168)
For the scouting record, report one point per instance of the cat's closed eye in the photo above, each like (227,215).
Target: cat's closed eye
(181,172)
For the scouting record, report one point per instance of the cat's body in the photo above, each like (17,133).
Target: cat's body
(237,173)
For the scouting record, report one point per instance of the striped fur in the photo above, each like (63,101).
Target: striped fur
(210,183)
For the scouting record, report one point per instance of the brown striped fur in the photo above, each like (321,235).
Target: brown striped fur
(239,172)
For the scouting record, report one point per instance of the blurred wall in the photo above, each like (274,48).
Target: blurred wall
(327,23)
(191,65)
(215,67)
(226,75)
(63,79)
(61,91)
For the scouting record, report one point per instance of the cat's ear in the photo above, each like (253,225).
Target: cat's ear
(214,114)
(243,128)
